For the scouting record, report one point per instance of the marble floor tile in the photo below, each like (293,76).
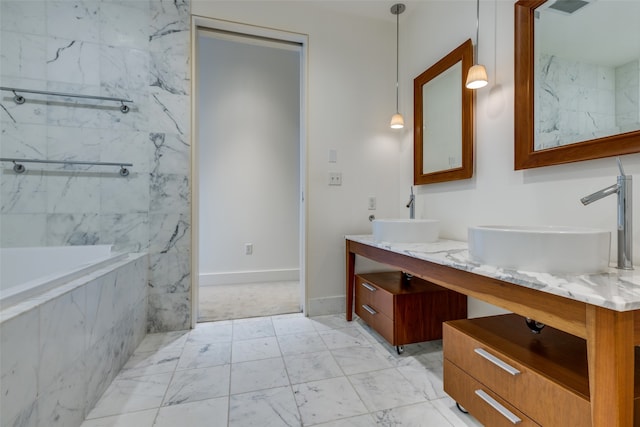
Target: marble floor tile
(331,321)
(359,421)
(205,355)
(385,389)
(137,419)
(344,337)
(198,384)
(149,363)
(258,375)
(299,343)
(447,407)
(327,400)
(307,367)
(154,342)
(203,413)
(211,332)
(425,380)
(418,415)
(259,327)
(284,325)
(274,407)
(254,349)
(354,360)
(130,395)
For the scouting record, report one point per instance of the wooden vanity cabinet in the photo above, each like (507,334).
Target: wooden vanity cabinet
(541,379)
(406,311)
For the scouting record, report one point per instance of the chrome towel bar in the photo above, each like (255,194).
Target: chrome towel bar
(18,167)
(19,99)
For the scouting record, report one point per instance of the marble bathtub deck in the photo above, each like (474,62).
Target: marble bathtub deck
(285,370)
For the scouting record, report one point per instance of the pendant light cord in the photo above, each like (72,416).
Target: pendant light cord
(477,29)
(397,57)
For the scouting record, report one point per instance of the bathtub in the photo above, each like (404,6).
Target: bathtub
(28,272)
(70,317)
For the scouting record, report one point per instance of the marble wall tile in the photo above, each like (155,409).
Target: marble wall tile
(124,24)
(126,146)
(33,16)
(22,193)
(169,273)
(124,70)
(169,312)
(124,194)
(171,73)
(73,61)
(170,193)
(171,154)
(171,112)
(127,232)
(23,55)
(14,234)
(72,229)
(19,368)
(61,321)
(63,399)
(74,19)
(169,29)
(169,233)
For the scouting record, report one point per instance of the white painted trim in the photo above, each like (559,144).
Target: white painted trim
(236,277)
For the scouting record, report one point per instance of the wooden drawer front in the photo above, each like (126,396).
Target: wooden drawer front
(376,297)
(486,406)
(378,321)
(527,390)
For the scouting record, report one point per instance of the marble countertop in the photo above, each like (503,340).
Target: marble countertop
(616,289)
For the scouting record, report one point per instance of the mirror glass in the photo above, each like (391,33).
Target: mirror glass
(577,80)
(441,106)
(587,71)
(443,120)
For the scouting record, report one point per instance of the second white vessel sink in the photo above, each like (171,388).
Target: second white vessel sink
(405,230)
(547,249)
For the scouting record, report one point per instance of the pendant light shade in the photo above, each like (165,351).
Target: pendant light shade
(477,76)
(397,121)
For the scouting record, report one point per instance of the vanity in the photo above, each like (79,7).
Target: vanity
(598,313)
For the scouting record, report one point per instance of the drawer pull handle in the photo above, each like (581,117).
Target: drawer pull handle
(499,363)
(498,407)
(369,309)
(369,287)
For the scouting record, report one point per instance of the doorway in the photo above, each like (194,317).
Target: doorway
(249,172)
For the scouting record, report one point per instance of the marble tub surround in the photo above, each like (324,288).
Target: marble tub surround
(286,370)
(134,49)
(616,289)
(60,350)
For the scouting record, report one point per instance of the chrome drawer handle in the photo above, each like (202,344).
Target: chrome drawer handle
(499,363)
(369,309)
(369,287)
(498,407)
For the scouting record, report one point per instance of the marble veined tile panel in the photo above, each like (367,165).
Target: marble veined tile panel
(170,154)
(354,360)
(308,367)
(23,55)
(198,384)
(300,343)
(74,19)
(170,273)
(385,389)
(258,375)
(73,61)
(33,16)
(205,355)
(272,407)
(123,69)
(327,400)
(124,24)
(209,412)
(254,349)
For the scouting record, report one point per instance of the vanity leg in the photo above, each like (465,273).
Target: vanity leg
(350,280)
(610,355)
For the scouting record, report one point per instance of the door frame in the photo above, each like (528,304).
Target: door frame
(250,30)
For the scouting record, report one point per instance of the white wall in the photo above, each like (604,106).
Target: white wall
(249,154)
(351,97)
(497,194)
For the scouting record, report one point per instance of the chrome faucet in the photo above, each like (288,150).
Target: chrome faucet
(412,205)
(623,188)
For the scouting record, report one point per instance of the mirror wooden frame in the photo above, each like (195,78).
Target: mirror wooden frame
(463,53)
(526,156)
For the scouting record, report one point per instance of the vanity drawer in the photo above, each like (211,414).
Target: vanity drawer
(486,406)
(535,373)
(378,321)
(368,292)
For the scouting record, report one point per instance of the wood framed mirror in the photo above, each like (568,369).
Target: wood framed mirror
(443,120)
(541,108)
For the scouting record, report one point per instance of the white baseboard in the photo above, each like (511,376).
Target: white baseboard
(236,277)
(326,305)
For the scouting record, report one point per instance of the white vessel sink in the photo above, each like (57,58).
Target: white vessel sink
(405,230)
(555,250)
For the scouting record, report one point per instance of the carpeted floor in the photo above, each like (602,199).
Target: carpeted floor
(240,301)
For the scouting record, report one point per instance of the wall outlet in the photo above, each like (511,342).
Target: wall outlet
(371,204)
(335,178)
(248,248)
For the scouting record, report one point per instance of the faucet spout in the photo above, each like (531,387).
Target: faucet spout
(623,188)
(411,205)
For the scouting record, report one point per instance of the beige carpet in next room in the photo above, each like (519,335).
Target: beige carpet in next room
(240,301)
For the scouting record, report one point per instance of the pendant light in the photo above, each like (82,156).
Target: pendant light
(397,121)
(477,76)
